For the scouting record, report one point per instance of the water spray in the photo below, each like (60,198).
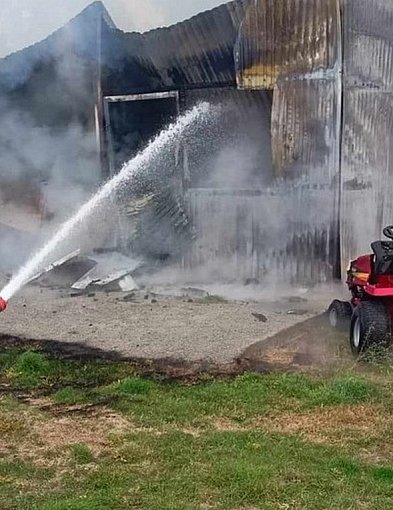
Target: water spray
(129,171)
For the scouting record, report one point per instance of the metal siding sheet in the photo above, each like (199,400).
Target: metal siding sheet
(369,62)
(306,152)
(368,43)
(282,37)
(367,170)
(288,233)
(304,130)
(294,47)
(280,235)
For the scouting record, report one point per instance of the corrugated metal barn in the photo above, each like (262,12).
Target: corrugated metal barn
(308,88)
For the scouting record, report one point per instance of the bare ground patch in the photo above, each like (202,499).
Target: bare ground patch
(333,424)
(309,345)
(44,440)
(342,426)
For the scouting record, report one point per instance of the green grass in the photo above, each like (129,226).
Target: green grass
(242,398)
(222,444)
(224,470)
(133,386)
(70,396)
(81,453)
(33,369)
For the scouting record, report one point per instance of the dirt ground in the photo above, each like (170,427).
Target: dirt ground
(155,327)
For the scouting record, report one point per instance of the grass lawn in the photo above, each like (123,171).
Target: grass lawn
(96,436)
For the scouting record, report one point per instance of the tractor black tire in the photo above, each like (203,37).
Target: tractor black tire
(339,314)
(370,326)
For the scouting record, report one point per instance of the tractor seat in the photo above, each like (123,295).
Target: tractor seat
(383,262)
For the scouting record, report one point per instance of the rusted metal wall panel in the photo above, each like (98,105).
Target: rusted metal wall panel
(305,131)
(263,234)
(283,37)
(369,44)
(367,170)
(287,233)
(306,148)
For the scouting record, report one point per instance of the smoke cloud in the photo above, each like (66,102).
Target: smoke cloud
(44,174)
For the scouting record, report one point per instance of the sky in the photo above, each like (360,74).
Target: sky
(24,22)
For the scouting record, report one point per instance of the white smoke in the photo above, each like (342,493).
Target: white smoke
(132,15)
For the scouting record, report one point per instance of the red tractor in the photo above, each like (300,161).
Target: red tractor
(370,311)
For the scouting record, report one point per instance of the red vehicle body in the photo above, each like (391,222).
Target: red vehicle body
(370,310)
(3,304)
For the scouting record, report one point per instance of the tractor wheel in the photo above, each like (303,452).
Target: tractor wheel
(370,325)
(339,314)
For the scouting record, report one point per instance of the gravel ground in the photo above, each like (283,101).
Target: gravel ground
(154,328)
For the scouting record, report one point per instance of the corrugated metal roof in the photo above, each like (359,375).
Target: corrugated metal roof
(196,52)
(282,37)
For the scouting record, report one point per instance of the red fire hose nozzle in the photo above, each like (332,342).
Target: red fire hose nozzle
(3,304)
